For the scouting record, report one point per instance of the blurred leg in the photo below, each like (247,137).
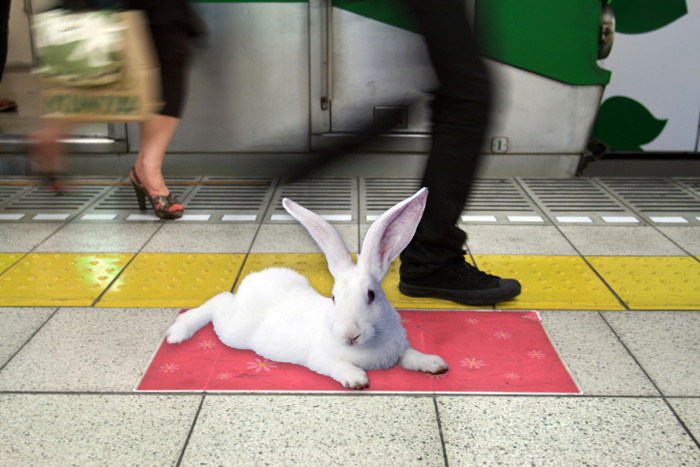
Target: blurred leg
(156,134)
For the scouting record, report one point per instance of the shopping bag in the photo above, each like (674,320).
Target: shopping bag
(83,48)
(134,97)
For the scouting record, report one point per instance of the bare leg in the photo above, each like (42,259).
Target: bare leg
(156,134)
(47,150)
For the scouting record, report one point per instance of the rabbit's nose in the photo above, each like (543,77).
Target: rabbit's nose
(352,340)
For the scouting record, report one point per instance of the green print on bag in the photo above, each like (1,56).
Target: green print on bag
(640,16)
(78,105)
(625,125)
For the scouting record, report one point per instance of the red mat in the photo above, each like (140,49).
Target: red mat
(488,352)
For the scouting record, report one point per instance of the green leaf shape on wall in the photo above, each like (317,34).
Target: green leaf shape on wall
(640,16)
(625,124)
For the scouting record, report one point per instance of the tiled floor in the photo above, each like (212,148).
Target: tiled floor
(621,303)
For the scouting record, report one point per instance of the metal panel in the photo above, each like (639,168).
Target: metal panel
(492,200)
(334,199)
(376,64)
(659,200)
(249,86)
(577,201)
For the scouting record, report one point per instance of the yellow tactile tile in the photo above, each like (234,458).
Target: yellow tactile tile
(551,282)
(652,282)
(315,268)
(172,280)
(59,279)
(8,259)
(311,265)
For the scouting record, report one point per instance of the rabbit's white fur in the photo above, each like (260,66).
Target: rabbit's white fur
(277,314)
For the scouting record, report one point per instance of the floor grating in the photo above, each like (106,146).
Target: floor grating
(659,200)
(594,201)
(577,201)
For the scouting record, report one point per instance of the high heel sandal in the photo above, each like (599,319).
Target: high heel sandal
(166,206)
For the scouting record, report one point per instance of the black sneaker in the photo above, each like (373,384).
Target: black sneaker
(461,282)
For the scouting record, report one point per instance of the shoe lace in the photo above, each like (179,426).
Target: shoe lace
(458,265)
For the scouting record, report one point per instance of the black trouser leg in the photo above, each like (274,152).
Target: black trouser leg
(4,31)
(460,117)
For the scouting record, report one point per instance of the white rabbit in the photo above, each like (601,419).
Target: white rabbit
(277,314)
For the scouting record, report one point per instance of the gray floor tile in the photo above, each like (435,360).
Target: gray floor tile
(689,411)
(96,430)
(316,430)
(597,360)
(294,238)
(88,349)
(18,325)
(99,238)
(687,237)
(22,238)
(666,345)
(516,240)
(202,238)
(620,241)
(551,431)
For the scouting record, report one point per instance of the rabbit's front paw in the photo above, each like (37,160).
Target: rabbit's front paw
(355,379)
(417,361)
(434,365)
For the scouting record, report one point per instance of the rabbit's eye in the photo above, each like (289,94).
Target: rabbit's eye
(370,296)
(333,298)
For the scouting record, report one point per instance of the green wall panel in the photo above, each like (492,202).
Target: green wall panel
(557,39)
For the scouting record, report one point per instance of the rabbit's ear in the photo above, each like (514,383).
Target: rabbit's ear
(391,233)
(324,234)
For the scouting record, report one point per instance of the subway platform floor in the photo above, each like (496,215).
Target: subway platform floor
(88,285)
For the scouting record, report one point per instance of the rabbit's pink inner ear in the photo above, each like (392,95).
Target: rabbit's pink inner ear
(325,235)
(391,233)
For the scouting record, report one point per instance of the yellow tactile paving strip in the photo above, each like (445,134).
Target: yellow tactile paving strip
(172,280)
(551,282)
(8,259)
(315,268)
(59,279)
(182,280)
(652,282)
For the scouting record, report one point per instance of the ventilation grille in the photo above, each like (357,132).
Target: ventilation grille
(232,198)
(653,195)
(497,195)
(333,198)
(39,199)
(579,195)
(123,198)
(7,192)
(380,194)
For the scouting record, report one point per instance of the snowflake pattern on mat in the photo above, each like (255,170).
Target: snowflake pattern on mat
(208,344)
(472,363)
(502,335)
(169,368)
(512,375)
(440,376)
(405,320)
(258,365)
(224,376)
(538,354)
(471,321)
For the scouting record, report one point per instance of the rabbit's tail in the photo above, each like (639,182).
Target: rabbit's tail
(191,321)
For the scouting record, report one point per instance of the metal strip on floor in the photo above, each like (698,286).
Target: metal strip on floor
(334,199)
(578,201)
(658,200)
(230,199)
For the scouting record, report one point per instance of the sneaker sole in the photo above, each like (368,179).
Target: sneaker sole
(507,291)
